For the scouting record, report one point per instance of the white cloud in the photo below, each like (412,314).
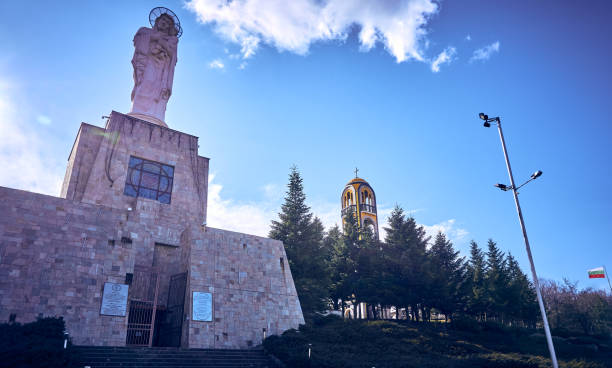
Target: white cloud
(255,217)
(294,25)
(468,38)
(449,228)
(250,218)
(328,213)
(43,119)
(383,216)
(485,52)
(216,64)
(273,192)
(25,164)
(445,57)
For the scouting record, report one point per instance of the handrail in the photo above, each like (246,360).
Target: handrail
(362,207)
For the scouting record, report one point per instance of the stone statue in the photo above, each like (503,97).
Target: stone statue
(154,61)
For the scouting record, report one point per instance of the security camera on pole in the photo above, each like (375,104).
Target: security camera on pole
(514,188)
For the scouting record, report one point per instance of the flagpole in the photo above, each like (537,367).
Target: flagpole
(607,277)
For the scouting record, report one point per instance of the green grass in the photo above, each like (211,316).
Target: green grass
(338,343)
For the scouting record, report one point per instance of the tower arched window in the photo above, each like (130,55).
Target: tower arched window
(369,224)
(348,199)
(366,197)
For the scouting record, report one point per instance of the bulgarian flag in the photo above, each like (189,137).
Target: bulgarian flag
(597,273)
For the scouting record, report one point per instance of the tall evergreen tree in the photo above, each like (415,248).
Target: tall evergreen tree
(392,288)
(335,251)
(476,274)
(303,239)
(521,294)
(406,248)
(496,281)
(448,279)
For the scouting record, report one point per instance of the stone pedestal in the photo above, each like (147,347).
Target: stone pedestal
(148,118)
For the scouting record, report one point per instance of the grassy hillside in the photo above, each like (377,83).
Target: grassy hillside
(338,343)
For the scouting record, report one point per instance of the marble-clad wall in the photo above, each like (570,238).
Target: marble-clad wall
(251,291)
(55,256)
(57,253)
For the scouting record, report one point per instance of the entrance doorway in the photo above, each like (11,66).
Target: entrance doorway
(142,307)
(171,330)
(150,324)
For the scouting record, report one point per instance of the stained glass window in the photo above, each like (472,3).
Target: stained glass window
(149,179)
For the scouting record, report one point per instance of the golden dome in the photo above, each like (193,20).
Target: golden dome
(357,180)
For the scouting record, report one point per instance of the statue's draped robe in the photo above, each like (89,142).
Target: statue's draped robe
(154,61)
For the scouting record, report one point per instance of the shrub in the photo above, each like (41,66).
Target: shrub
(465,323)
(405,344)
(321,320)
(35,344)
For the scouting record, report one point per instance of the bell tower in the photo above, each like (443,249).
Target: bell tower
(358,197)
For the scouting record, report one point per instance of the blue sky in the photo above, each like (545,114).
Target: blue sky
(265,86)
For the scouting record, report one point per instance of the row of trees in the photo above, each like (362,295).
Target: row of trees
(407,270)
(410,271)
(571,310)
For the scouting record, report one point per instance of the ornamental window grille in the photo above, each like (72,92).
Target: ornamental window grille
(149,179)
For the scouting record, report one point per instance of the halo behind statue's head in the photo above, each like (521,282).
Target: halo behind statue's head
(161,11)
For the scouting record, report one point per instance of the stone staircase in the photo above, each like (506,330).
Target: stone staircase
(137,357)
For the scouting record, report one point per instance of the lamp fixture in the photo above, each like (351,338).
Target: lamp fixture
(536,174)
(503,187)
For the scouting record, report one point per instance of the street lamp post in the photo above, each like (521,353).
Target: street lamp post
(514,188)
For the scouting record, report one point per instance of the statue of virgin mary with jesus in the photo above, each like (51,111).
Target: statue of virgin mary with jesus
(154,61)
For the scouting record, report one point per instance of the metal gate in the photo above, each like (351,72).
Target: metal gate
(170,334)
(143,307)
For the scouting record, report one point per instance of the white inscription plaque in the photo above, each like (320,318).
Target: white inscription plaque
(202,306)
(114,299)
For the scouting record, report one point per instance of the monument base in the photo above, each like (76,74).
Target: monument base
(148,118)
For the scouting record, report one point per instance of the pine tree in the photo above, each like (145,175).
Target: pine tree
(448,279)
(303,239)
(405,252)
(476,270)
(521,294)
(496,281)
(370,270)
(334,248)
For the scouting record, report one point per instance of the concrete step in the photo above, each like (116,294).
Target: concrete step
(136,357)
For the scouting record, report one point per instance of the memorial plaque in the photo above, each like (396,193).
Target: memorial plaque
(202,306)
(114,299)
